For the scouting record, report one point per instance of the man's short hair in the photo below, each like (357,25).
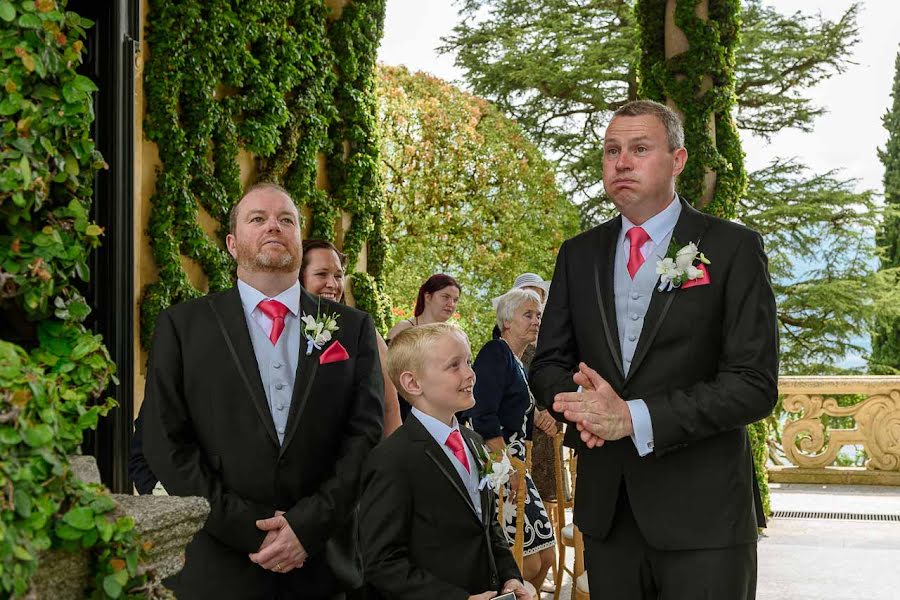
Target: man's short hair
(510,302)
(256,187)
(408,349)
(668,117)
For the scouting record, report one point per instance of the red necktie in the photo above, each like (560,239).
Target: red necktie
(455,443)
(275,310)
(637,238)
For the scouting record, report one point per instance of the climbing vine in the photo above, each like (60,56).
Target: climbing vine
(711,53)
(53,370)
(292,83)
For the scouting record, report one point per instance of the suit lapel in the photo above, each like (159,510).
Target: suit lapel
(229,313)
(484,493)
(307,364)
(436,454)
(604,286)
(690,227)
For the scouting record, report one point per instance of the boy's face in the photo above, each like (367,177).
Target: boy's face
(445,382)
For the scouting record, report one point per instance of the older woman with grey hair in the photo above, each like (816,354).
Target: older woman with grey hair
(504,416)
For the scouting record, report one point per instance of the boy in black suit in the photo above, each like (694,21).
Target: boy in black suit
(426,529)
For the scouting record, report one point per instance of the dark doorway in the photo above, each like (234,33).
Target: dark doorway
(112,47)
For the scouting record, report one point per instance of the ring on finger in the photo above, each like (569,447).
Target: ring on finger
(278,567)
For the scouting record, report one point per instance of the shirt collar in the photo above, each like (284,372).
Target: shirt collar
(438,429)
(251,297)
(659,225)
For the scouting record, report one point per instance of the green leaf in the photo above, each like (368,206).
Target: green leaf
(9,436)
(71,94)
(25,169)
(29,21)
(21,553)
(23,502)
(80,517)
(102,504)
(7,11)
(38,435)
(67,532)
(84,84)
(111,586)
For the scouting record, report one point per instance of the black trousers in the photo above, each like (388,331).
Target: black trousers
(623,566)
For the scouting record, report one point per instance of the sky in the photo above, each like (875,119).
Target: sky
(845,138)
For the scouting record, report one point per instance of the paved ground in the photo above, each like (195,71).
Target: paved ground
(811,559)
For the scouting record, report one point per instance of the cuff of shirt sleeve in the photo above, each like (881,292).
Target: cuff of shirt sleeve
(643,428)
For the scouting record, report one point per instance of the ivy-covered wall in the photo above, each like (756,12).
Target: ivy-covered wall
(710,54)
(291,84)
(53,371)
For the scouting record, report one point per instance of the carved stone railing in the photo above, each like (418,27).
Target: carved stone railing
(812,448)
(165,526)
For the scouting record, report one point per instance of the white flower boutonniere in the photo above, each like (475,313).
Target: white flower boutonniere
(494,469)
(318,330)
(678,266)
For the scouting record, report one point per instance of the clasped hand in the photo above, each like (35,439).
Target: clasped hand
(597,410)
(280,551)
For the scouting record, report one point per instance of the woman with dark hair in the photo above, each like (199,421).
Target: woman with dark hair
(322,274)
(436,303)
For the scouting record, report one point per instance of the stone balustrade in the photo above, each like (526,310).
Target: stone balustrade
(165,525)
(812,448)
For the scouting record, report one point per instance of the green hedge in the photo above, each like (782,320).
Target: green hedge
(51,392)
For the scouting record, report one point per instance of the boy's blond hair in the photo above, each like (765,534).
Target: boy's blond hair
(408,348)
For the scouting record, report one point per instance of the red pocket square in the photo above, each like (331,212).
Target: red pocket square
(699,281)
(333,353)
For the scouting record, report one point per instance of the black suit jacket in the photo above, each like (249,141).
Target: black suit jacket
(208,432)
(706,364)
(420,534)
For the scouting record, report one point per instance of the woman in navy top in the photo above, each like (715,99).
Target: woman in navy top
(504,416)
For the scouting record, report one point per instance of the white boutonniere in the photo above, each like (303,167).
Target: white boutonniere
(319,329)
(494,468)
(678,266)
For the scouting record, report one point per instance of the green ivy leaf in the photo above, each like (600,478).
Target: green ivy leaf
(80,517)
(84,84)
(113,584)
(29,21)
(7,11)
(25,169)
(102,504)
(9,436)
(37,435)
(21,553)
(67,532)
(23,502)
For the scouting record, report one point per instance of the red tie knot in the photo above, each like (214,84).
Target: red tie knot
(637,237)
(455,443)
(276,311)
(273,309)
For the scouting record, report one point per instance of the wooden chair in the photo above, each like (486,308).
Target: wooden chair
(564,475)
(580,590)
(521,468)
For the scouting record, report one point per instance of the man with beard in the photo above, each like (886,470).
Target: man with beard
(248,408)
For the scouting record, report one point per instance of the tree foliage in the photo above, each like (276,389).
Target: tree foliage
(818,232)
(467,194)
(560,68)
(886,333)
(826,292)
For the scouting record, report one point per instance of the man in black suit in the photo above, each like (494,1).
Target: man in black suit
(249,408)
(672,359)
(426,527)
